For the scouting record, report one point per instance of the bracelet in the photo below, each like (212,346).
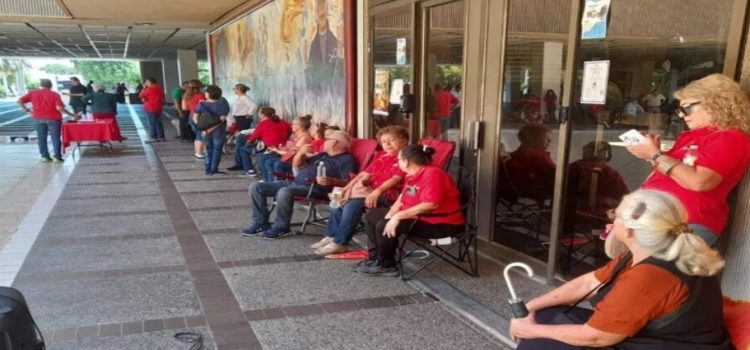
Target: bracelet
(666,164)
(656,156)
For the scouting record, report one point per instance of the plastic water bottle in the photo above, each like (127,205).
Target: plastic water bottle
(321,169)
(690,156)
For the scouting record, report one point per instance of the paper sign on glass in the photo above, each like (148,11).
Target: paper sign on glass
(595,78)
(401,51)
(594,20)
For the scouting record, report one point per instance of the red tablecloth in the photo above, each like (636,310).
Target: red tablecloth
(100,130)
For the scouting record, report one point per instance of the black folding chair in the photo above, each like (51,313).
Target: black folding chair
(461,251)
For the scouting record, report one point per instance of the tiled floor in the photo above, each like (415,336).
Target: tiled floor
(141,246)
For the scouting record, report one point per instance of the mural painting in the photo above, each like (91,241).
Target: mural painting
(291,55)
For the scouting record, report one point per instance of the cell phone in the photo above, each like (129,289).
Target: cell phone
(632,137)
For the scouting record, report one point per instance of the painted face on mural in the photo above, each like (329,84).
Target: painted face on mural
(322,13)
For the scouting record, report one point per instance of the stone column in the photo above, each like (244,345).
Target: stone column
(187,63)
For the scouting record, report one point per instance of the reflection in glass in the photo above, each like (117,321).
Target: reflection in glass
(649,58)
(392,76)
(534,62)
(444,70)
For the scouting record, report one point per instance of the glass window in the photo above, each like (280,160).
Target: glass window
(653,48)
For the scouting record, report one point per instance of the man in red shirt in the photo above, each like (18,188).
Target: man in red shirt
(444,103)
(47,114)
(153,101)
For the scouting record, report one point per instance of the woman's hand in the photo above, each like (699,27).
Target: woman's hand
(371,201)
(647,149)
(520,328)
(390,227)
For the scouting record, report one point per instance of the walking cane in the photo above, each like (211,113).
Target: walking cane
(517,306)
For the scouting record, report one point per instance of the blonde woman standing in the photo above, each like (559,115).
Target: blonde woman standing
(660,266)
(710,159)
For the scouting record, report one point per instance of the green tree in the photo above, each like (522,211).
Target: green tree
(449,74)
(203,72)
(58,69)
(108,73)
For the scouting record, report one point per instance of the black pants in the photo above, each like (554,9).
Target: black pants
(186,132)
(384,248)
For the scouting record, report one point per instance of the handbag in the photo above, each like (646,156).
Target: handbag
(207,120)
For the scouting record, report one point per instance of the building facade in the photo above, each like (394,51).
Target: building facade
(535,92)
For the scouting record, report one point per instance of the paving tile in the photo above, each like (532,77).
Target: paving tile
(106,226)
(109,330)
(238,184)
(95,206)
(87,332)
(159,340)
(426,326)
(129,254)
(110,189)
(111,299)
(239,199)
(306,283)
(233,246)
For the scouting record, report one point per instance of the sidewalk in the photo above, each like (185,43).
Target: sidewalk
(142,245)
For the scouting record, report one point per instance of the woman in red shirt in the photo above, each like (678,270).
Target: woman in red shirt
(707,161)
(376,186)
(660,290)
(428,189)
(190,100)
(271,130)
(280,161)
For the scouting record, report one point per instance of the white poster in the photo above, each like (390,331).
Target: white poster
(594,86)
(401,51)
(397,89)
(594,20)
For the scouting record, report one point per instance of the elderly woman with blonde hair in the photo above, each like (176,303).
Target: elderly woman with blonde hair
(710,159)
(658,292)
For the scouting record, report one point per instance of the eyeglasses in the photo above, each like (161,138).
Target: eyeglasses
(685,110)
(639,210)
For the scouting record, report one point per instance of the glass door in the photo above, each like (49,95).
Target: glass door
(392,75)
(535,57)
(648,60)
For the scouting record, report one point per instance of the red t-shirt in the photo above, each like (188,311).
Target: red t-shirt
(382,169)
(433,185)
(44,103)
(153,98)
(273,134)
(444,102)
(195,100)
(317,145)
(726,152)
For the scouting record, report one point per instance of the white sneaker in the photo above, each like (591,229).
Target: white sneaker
(199,156)
(331,248)
(322,243)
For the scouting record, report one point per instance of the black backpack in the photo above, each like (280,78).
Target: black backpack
(18,331)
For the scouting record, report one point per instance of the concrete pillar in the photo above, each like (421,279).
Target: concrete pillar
(735,279)
(171,76)
(187,64)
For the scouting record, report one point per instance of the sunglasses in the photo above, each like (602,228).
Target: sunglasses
(685,110)
(639,210)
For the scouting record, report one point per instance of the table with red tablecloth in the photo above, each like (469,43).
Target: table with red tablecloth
(103,131)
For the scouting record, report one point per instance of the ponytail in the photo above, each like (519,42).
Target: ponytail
(418,154)
(691,254)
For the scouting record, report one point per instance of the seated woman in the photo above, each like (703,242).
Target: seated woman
(660,266)
(315,147)
(271,129)
(269,162)
(427,189)
(376,186)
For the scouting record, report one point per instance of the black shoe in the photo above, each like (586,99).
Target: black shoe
(363,264)
(378,270)
(235,168)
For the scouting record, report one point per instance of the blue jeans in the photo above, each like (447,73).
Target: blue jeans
(265,163)
(43,126)
(705,233)
(343,221)
(281,167)
(246,157)
(214,146)
(284,192)
(155,127)
(239,142)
